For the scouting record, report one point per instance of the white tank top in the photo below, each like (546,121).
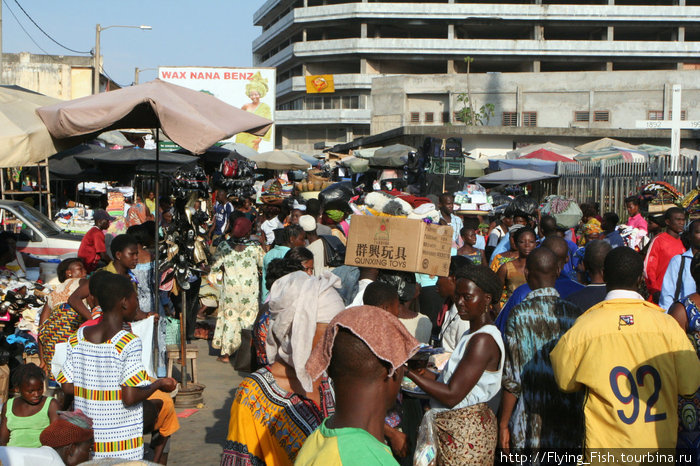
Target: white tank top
(489,383)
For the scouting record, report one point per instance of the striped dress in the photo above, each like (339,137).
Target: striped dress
(98,371)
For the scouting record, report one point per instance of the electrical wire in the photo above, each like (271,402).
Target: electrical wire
(22,27)
(44,32)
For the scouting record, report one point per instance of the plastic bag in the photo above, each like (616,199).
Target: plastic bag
(426,443)
(336,196)
(524,204)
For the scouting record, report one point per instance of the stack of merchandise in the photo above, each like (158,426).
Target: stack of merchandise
(473,198)
(236,177)
(660,196)
(691,203)
(21,303)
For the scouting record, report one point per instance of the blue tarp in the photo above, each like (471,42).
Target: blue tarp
(544,166)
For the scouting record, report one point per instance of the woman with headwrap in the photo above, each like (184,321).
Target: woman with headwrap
(278,406)
(464,425)
(240,260)
(256,89)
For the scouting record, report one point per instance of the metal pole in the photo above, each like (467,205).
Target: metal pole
(156,266)
(48,186)
(96,62)
(136,76)
(183,339)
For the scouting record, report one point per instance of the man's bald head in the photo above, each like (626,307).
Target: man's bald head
(541,268)
(558,246)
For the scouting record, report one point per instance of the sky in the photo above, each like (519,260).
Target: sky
(185,33)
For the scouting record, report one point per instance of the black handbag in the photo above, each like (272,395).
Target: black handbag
(245,360)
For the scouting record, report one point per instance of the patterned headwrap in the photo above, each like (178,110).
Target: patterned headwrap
(382,332)
(592,227)
(70,427)
(257,83)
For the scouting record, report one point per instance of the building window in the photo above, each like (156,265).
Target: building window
(601,115)
(314,103)
(510,118)
(655,115)
(351,101)
(458,116)
(529,118)
(445,117)
(429,117)
(684,116)
(581,116)
(415,117)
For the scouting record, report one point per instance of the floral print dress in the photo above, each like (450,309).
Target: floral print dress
(238,300)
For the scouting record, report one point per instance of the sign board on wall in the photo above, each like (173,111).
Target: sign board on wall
(251,89)
(320,84)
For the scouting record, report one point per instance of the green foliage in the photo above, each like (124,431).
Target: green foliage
(472,117)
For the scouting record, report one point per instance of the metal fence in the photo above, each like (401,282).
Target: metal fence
(608,183)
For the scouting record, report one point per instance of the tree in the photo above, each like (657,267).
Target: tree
(467,113)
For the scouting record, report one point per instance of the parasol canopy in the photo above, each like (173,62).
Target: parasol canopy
(548,155)
(280,160)
(514,176)
(194,120)
(603,144)
(240,149)
(614,153)
(559,149)
(24,139)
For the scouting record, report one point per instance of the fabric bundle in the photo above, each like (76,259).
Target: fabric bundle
(297,303)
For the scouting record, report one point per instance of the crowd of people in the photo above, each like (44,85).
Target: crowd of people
(540,337)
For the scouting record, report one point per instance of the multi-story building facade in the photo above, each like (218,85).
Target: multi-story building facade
(357,40)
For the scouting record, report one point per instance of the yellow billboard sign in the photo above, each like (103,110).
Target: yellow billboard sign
(319,84)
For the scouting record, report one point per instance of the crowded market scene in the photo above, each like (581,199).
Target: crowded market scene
(179,285)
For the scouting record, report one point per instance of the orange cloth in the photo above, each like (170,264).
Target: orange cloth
(167,423)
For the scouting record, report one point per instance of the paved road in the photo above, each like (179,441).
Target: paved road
(201,436)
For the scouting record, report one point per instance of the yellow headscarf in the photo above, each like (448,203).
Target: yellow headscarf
(257,83)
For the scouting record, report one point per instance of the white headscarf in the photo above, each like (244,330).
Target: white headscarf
(297,303)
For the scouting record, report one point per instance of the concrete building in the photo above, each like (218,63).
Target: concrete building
(359,40)
(60,76)
(589,99)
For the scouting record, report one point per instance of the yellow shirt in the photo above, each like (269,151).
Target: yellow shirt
(634,361)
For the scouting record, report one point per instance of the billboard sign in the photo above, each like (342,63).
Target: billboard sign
(250,89)
(320,84)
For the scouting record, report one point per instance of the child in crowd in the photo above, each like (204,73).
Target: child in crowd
(113,394)
(469,250)
(24,417)
(364,351)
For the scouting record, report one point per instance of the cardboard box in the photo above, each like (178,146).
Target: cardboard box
(399,244)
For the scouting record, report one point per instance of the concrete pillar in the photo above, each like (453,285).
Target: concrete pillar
(450,31)
(536,64)
(679,66)
(519,104)
(363,65)
(667,99)
(451,68)
(681,2)
(681,34)
(363,30)
(591,99)
(303,35)
(608,66)
(610,33)
(538,33)
(304,70)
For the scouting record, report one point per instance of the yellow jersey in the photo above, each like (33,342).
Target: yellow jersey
(633,360)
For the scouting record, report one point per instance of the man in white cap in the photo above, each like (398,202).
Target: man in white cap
(314,243)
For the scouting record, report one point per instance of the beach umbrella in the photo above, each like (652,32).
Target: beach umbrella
(544,154)
(193,120)
(280,160)
(514,176)
(566,151)
(614,153)
(240,149)
(24,139)
(603,144)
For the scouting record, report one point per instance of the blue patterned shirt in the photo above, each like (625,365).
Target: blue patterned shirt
(543,417)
